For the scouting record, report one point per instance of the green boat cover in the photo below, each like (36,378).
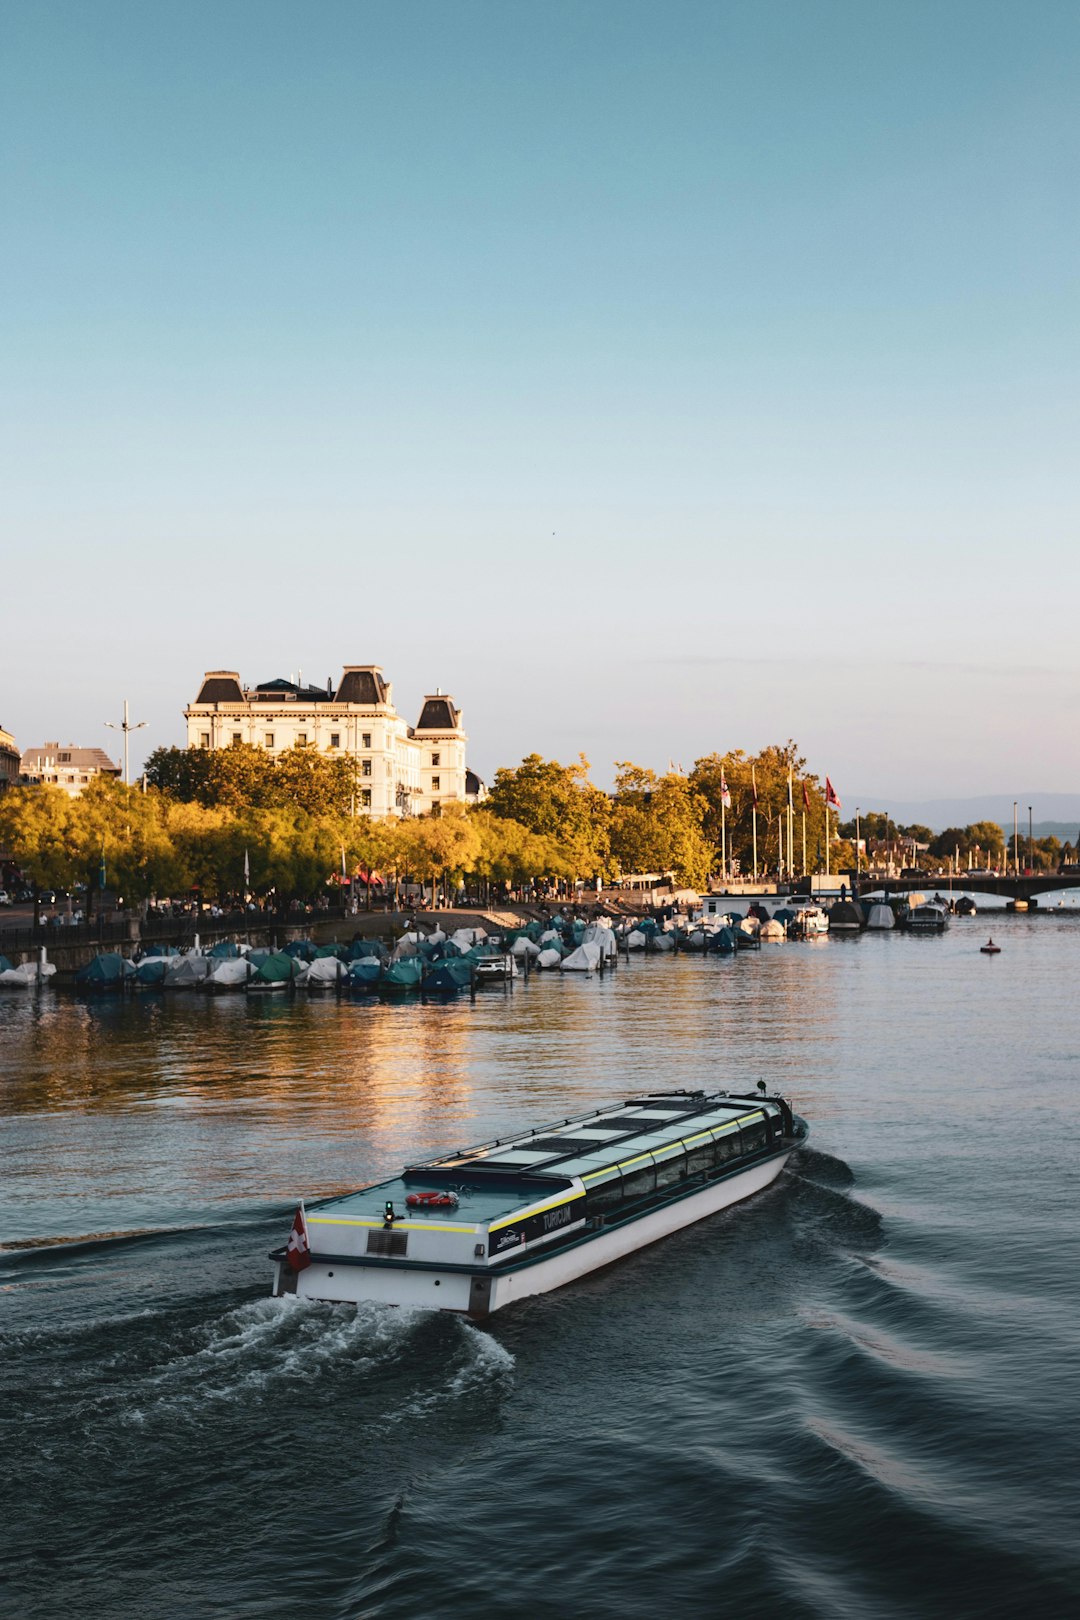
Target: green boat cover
(277,969)
(404,975)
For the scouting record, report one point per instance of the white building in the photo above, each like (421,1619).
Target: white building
(70,768)
(401,769)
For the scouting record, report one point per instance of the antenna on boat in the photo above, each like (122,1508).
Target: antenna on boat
(761,1087)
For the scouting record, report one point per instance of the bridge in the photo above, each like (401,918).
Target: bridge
(1027,887)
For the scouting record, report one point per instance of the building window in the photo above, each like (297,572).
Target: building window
(365,740)
(65,759)
(365,798)
(335,739)
(365,767)
(435,780)
(237,739)
(269,739)
(301,739)
(435,759)
(204,739)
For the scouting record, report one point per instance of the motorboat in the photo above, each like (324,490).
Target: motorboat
(930,918)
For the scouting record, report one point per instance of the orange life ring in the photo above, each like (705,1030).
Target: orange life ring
(432,1200)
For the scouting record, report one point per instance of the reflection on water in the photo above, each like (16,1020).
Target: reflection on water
(851,1397)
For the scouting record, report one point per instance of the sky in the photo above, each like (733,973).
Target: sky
(659,379)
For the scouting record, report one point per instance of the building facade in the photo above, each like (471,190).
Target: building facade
(400,769)
(10,762)
(70,768)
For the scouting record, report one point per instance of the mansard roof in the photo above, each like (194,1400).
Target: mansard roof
(220,686)
(362,683)
(439,714)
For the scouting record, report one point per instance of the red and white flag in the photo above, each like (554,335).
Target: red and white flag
(298,1252)
(725,792)
(831,798)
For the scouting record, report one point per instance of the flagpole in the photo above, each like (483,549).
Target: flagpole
(790,826)
(804,843)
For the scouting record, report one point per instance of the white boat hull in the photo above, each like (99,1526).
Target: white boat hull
(432,1289)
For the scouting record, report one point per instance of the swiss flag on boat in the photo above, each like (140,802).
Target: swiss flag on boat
(831,798)
(298,1252)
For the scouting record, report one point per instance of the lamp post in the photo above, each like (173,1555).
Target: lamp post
(858,862)
(1016,845)
(126,726)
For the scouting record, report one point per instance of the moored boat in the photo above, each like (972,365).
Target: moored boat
(928,919)
(529,1213)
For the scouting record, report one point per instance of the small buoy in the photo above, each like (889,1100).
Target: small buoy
(990,949)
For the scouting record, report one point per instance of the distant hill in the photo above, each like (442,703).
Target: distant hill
(1057,815)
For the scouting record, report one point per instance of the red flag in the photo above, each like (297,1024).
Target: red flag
(805,797)
(298,1252)
(831,796)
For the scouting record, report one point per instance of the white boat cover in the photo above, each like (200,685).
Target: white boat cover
(524,947)
(549,958)
(881,916)
(584,960)
(635,940)
(773,930)
(234,971)
(602,935)
(661,942)
(326,970)
(27,974)
(750,925)
(550,936)
(468,936)
(184,972)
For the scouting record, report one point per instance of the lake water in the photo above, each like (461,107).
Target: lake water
(858,1395)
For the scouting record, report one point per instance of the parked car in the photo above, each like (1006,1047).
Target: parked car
(24,896)
(47,897)
(5,898)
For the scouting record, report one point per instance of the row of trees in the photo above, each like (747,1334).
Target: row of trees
(149,843)
(203,815)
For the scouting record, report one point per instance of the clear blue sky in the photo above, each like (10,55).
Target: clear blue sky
(656,377)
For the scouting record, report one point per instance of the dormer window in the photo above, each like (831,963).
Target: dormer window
(435,759)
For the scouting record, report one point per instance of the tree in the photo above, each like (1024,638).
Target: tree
(771,770)
(557,802)
(657,825)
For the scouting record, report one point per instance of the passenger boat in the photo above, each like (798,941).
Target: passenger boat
(480,1229)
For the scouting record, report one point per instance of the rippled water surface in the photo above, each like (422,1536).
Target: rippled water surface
(857,1395)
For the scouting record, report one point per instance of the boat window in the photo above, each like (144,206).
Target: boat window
(753,1137)
(395,1243)
(727,1147)
(639,1183)
(701,1158)
(671,1171)
(598,1200)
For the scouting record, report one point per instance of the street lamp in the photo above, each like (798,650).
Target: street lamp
(126,726)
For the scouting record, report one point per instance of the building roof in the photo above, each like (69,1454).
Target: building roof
(48,757)
(363,683)
(220,686)
(473,785)
(439,714)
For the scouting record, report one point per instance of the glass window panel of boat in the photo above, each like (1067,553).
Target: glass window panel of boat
(728,1146)
(639,1183)
(603,1196)
(670,1171)
(701,1158)
(753,1137)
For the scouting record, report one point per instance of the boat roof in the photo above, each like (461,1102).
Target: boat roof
(516,1172)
